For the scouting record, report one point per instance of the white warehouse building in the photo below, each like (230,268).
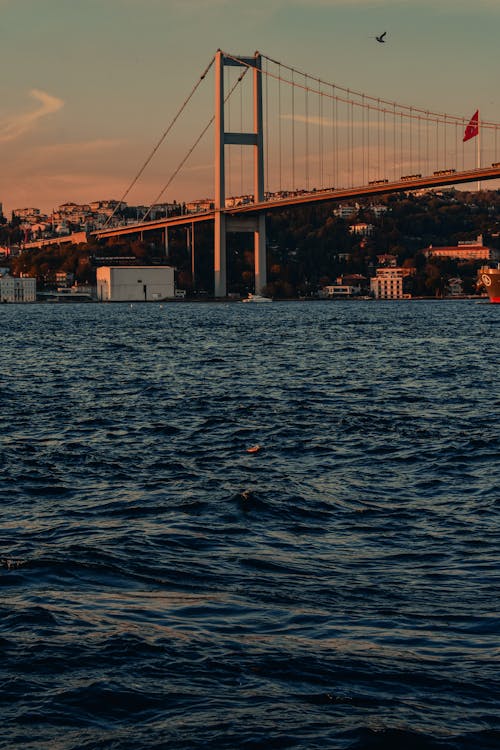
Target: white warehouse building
(14,289)
(135,283)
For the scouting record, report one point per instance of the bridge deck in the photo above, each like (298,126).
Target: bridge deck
(380,187)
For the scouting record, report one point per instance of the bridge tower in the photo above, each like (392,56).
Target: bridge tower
(255,139)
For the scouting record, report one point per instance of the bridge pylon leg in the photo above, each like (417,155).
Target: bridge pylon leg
(255,140)
(260,255)
(220,285)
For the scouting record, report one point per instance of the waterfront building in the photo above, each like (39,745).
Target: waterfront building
(388,283)
(355,280)
(14,289)
(455,287)
(135,283)
(331,291)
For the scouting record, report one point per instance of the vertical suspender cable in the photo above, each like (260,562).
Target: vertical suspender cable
(394,138)
(410,143)
(445,144)
(379,170)
(351,113)
(266,98)
(463,153)
(279,129)
(401,142)
(293,133)
(241,147)
(427,146)
(386,170)
(437,144)
(227,100)
(307,131)
(368,162)
(320,135)
(363,140)
(419,155)
(334,139)
(349,144)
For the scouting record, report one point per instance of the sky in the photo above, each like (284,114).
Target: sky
(89,86)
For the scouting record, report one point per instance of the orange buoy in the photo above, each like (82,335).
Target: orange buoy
(253,449)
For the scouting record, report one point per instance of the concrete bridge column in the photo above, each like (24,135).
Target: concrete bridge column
(255,140)
(220,289)
(220,285)
(260,254)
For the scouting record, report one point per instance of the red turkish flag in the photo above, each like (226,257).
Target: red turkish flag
(472,128)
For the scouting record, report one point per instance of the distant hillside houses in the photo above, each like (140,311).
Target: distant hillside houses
(199,206)
(362,229)
(347,210)
(386,260)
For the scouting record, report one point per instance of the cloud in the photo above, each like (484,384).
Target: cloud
(14,127)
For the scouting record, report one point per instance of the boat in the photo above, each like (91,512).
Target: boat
(490,279)
(256,298)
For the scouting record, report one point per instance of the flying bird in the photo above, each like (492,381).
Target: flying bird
(381,38)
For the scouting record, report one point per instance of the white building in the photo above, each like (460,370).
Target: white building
(135,283)
(388,284)
(13,289)
(346,211)
(338,290)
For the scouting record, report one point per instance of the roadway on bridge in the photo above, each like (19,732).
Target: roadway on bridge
(378,187)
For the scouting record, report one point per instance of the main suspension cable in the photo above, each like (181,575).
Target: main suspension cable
(411,111)
(160,141)
(190,151)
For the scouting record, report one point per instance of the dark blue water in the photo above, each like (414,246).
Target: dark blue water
(164,588)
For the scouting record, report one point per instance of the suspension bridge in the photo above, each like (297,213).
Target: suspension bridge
(285,138)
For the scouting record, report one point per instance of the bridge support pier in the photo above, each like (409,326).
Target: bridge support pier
(224,222)
(260,255)
(220,283)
